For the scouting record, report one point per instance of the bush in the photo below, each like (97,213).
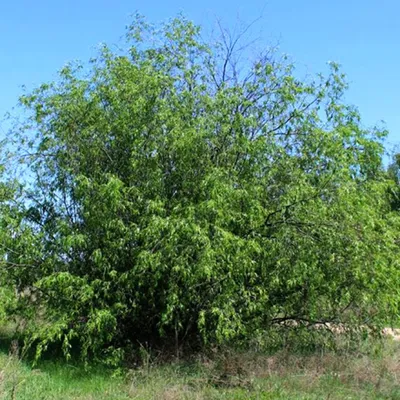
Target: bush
(177,198)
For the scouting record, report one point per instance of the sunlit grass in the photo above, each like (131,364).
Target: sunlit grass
(225,375)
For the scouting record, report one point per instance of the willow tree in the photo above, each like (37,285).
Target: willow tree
(175,195)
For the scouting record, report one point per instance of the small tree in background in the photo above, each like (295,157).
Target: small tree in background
(176,197)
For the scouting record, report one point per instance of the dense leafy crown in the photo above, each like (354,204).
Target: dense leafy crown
(173,194)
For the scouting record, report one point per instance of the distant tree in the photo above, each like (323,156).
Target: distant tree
(393,172)
(175,197)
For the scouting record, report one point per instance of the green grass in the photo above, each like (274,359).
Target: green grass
(229,375)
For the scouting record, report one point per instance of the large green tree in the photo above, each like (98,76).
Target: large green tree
(176,194)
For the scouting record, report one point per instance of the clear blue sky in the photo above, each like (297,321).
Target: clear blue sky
(38,37)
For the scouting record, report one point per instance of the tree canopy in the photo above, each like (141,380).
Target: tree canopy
(175,194)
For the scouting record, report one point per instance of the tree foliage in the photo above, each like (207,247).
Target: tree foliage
(176,194)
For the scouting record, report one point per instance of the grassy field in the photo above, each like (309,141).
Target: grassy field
(219,376)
